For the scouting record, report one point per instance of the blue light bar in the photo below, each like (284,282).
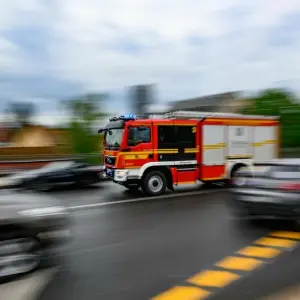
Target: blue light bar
(126,117)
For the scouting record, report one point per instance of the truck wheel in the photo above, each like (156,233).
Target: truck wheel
(235,178)
(154,183)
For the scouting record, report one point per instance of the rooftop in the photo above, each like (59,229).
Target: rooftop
(211,100)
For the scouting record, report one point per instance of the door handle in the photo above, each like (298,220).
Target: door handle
(150,156)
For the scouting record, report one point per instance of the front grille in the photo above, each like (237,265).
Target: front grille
(18,256)
(110,160)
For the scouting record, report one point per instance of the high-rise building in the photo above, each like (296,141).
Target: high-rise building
(140,97)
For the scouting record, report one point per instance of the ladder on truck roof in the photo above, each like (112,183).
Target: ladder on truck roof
(185,114)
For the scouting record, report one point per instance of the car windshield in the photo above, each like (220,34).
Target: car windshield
(113,138)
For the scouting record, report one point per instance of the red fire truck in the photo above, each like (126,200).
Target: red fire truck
(185,147)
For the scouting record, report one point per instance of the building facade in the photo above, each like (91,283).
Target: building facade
(231,102)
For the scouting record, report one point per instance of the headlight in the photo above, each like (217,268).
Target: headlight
(45,211)
(121,172)
(4,182)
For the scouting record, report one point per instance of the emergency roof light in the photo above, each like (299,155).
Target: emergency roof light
(126,117)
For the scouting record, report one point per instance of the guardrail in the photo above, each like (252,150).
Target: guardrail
(10,164)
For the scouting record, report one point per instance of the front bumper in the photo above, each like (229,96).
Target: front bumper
(265,206)
(8,183)
(122,175)
(30,251)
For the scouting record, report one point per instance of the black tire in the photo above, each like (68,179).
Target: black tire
(154,183)
(234,176)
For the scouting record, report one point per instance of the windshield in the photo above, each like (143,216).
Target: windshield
(113,138)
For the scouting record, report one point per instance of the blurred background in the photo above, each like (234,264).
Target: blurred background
(60,82)
(66,66)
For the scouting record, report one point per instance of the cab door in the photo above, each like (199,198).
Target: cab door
(187,166)
(139,149)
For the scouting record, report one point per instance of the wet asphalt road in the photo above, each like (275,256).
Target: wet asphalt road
(138,249)
(134,251)
(107,191)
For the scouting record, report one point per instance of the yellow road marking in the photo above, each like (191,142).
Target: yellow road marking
(286,234)
(262,252)
(216,279)
(239,263)
(183,292)
(276,242)
(222,278)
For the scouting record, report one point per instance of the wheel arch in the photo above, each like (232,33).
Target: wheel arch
(163,169)
(234,165)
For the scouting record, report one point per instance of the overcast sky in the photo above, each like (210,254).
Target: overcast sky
(53,49)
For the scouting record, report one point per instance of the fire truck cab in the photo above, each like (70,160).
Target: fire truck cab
(185,147)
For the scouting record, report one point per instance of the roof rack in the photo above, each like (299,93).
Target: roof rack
(185,114)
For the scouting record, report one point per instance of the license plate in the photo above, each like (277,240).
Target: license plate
(109,172)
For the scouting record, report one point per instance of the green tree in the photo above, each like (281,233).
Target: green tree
(84,114)
(282,103)
(271,102)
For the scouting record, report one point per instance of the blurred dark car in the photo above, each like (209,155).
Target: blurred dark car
(54,174)
(33,232)
(268,191)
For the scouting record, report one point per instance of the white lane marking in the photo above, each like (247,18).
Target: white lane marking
(28,288)
(93,205)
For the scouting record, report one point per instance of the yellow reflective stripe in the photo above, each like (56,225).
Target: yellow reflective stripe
(136,156)
(263,143)
(214,146)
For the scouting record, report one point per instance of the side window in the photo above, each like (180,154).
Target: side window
(166,137)
(186,136)
(286,172)
(138,135)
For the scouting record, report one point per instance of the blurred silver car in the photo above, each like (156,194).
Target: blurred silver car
(33,230)
(268,191)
